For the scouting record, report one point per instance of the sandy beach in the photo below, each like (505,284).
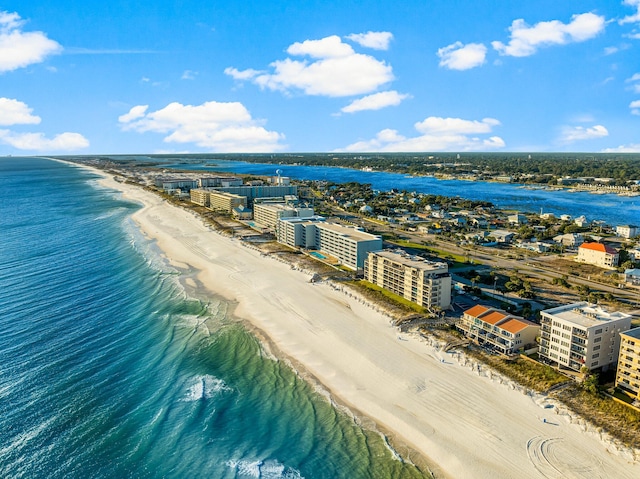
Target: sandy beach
(465,420)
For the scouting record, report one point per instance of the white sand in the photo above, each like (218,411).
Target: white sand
(467,421)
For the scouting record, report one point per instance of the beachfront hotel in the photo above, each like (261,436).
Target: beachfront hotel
(582,335)
(628,373)
(348,244)
(268,214)
(598,254)
(498,330)
(427,283)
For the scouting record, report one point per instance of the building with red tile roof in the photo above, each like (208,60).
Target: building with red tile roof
(598,254)
(499,330)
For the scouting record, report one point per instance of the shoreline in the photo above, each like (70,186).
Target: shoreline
(452,413)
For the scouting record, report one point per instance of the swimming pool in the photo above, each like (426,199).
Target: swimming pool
(317,255)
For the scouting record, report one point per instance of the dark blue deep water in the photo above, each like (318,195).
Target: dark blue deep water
(110,369)
(610,208)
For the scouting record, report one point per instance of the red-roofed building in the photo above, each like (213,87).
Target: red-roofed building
(499,330)
(598,254)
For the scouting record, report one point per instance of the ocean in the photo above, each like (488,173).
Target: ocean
(110,367)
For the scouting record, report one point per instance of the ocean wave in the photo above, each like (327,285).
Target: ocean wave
(269,469)
(204,387)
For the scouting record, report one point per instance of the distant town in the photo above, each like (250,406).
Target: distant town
(560,291)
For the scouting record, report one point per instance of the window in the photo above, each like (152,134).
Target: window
(596,348)
(597,340)
(598,331)
(597,355)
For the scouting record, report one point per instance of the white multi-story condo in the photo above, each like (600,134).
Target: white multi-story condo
(268,214)
(628,373)
(598,254)
(423,282)
(582,335)
(498,330)
(627,231)
(348,244)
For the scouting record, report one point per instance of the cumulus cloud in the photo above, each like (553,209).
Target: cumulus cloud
(437,134)
(14,112)
(635,107)
(188,75)
(631,148)
(525,39)
(375,101)
(221,127)
(335,70)
(38,142)
(19,49)
(578,133)
(458,56)
(374,40)
(635,18)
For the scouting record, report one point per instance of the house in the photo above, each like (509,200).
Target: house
(632,276)
(517,219)
(572,240)
(498,329)
(598,254)
(627,231)
(581,221)
(582,335)
(503,236)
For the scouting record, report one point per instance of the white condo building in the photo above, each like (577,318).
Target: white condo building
(423,282)
(582,334)
(349,245)
(628,373)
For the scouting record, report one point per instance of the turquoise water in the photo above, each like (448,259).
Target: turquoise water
(109,368)
(318,255)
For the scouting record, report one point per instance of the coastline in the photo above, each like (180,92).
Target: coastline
(463,419)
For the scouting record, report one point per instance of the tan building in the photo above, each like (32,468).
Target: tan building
(423,282)
(598,254)
(200,196)
(628,373)
(499,330)
(627,231)
(219,201)
(268,214)
(582,335)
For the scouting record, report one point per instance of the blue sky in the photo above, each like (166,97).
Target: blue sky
(89,77)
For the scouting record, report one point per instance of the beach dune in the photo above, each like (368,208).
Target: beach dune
(463,419)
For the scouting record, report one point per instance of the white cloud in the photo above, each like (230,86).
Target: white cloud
(133,114)
(14,112)
(19,49)
(635,82)
(375,101)
(631,148)
(462,57)
(577,133)
(635,18)
(448,126)
(635,107)
(525,40)
(375,40)
(38,142)
(221,127)
(438,134)
(335,71)
(188,75)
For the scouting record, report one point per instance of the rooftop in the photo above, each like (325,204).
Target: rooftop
(598,247)
(633,333)
(412,261)
(585,314)
(477,310)
(349,232)
(515,325)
